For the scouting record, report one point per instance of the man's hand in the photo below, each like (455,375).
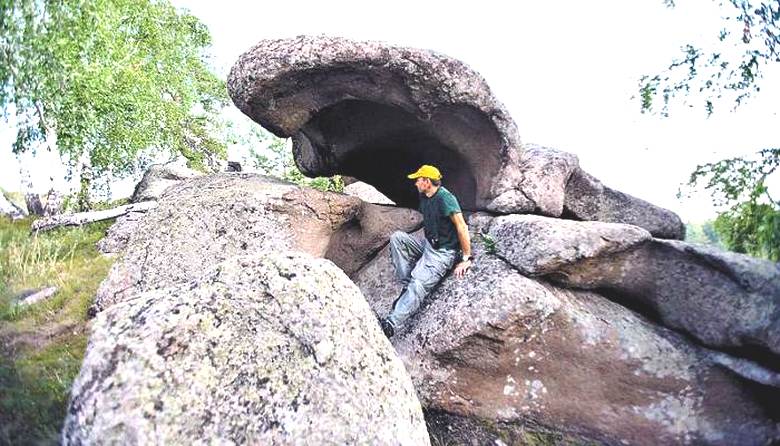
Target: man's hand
(461,269)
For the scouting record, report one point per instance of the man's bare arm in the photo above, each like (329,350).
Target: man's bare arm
(465,243)
(463,233)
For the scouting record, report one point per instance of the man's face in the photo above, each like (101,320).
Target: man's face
(422,185)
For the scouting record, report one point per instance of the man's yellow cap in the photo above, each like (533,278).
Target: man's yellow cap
(426,171)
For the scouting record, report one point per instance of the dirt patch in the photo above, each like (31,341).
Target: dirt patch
(14,341)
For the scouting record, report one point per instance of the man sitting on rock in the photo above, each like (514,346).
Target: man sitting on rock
(421,264)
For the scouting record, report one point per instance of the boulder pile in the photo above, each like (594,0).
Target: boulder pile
(242,308)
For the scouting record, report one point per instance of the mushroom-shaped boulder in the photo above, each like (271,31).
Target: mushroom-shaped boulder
(376,112)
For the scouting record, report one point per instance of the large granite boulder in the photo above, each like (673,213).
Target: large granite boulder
(207,219)
(538,246)
(272,349)
(499,356)
(374,112)
(725,300)
(377,112)
(119,233)
(586,198)
(158,178)
(541,189)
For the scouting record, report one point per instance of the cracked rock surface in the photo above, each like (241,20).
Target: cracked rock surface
(509,353)
(725,300)
(204,220)
(268,349)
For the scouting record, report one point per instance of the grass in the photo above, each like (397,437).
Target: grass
(42,345)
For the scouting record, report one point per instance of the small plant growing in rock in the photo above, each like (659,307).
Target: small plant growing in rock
(489,242)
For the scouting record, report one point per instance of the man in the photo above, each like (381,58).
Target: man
(421,264)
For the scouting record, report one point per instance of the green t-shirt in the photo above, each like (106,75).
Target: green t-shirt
(436,212)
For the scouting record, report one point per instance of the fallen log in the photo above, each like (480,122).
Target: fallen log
(82,218)
(37,296)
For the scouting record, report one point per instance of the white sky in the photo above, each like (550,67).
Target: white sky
(566,70)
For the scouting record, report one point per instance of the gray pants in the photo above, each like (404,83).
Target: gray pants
(419,267)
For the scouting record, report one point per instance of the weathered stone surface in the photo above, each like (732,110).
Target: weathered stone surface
(377,112)
(357,229)
(447,428)
(588,199)
(158,178)
(723,299)
(367,193)
(538,245)
(359,240)
(273,349)
(205,220)
(119,233)
(511,353)
(9,208)
(545,174)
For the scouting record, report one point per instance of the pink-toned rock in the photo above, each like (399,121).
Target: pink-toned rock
(207,219)
(505,355)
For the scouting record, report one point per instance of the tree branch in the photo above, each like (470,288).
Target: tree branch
(82,218)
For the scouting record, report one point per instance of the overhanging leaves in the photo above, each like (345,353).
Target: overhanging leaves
(111,79)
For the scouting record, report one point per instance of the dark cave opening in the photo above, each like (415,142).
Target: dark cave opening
(381,144)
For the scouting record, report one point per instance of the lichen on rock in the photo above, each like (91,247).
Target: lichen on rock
(272,349)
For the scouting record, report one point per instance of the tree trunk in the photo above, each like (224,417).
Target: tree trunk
(33,202)
(82,218)
(82,200)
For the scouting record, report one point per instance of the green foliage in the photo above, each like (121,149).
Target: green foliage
(114,81)
(748,42)
(751,222)
(704,234)
(272,157)
(48,337)
(489,242)
(751,228)
(70,203)
(52,258)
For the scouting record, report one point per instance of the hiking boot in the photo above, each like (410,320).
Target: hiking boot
(387,327)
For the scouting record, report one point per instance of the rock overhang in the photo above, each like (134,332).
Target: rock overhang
(376,113)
